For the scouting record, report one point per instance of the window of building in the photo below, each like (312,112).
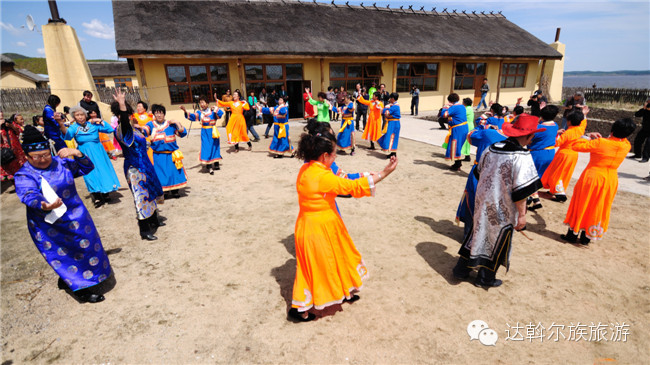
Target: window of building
(423,75)
(513,75)
(123,82)
(349,75)
(100,83)
(187,83)
(271,76)
(469,75)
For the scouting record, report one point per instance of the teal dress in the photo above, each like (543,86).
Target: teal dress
(103,178)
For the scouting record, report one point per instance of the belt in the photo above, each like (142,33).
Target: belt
(346,123)
(391,120)
(283,129)
(547,148)
(449,133)
(162,152)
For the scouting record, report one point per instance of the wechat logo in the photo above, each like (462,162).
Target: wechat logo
(479,330)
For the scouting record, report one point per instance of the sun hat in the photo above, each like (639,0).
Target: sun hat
(523,125)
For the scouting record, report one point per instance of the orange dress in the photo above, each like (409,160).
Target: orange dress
(373,127)
(557,176)
(236,128)
(329,267)
(594,193)
(143,119)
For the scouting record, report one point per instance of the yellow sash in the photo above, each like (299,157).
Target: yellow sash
(282,132)
(346,123)
(449,133)
(177,157)
(383,131)
(215,132)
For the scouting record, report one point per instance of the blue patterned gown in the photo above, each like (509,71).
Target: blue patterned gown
(210,147)
(163,144)
(71,245)
(390,138)
(280,143)
(542,148)
(102,179)
(138,170)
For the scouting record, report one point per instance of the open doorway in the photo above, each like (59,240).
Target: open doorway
(295,89)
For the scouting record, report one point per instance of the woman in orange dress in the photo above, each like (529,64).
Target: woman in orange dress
(594,193)
(236,128)
(557,176)
(329,267)
(372,131)
(143,117)
(104,138)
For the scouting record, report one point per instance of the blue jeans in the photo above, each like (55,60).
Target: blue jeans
(482,101)
(563,126)
(252,130)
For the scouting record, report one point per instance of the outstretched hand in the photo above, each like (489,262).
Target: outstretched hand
(50,206)
(594,135)
(69,152)
(120,97)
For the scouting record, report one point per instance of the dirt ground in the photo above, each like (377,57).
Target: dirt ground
(216,285)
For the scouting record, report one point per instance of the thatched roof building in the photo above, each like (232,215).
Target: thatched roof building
(319,35)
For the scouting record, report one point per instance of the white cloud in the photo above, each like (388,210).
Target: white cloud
(110,54)
(40,51)
(21,44)
(98,29)
(10,28)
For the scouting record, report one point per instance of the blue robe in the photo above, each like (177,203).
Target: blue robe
(279,145)
(458,130)
(71,245)
(542,148)
(389,141)
(482,139)
(163,144)
(102,179)
(51,128)
(344,136)
(138,170)
(210,147)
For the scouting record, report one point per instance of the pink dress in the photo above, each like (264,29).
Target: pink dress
(114,123)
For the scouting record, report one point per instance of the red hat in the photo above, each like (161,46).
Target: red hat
(523,125)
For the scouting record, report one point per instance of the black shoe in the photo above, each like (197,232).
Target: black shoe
(90,298)
(250,145)
(455,167)
(352,299)
(149,237)
(296,316)
(559,198)
(216,166)
(237,147)
(266,136)
(277,156)
(570,236)
(211,171)
(62,285)
(176,194)
(634,157)
(107,197)
(644,160)
(537,204)
(468,158)
(256,140)
(494,284)
(584,240)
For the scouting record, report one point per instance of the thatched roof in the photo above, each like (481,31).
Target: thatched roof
(6,60)
(110,69)
(276,27)
(30,75)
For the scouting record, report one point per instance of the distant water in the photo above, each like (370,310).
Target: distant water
(628,82)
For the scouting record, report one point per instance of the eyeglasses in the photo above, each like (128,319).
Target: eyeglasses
(40,157)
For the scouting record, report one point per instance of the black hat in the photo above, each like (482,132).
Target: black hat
(33,140)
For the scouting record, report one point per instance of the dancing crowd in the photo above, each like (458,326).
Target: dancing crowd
(516,157)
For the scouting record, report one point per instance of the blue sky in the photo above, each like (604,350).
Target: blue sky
(599,35)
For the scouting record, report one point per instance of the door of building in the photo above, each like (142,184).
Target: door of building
(295,89)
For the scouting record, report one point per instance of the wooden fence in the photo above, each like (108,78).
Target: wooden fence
(599,95)
(14,100)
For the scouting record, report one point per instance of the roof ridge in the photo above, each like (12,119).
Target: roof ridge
(409,10)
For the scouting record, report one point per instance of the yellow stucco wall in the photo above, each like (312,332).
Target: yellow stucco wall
(157,88)
(555,71)
(110,81)
(69,75)
(13,80)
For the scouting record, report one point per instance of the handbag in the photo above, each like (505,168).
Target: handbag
(7,156)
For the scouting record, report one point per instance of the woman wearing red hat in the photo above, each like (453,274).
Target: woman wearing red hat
(507,176)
